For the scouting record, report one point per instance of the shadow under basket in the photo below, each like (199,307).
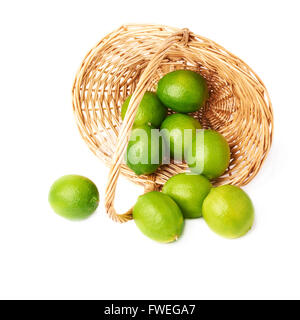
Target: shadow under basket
(131,60)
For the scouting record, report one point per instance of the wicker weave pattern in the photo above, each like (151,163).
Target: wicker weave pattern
(131,60)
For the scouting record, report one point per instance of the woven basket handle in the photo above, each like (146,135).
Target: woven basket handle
(178,37)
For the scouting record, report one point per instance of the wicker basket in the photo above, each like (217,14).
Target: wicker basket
(131,60)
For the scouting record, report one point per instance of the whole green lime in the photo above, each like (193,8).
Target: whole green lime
(150,111)
(228,211)
(177,128)
(158,217)
(74,197)
(188,191)
(183,91)
(144,151)
(208,154)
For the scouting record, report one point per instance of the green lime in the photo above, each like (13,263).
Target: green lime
(144,150)
(74,197)
(158,217)
(228,211)
(150,111)
(188,191)
(183,91)
(177,128)
(208,154)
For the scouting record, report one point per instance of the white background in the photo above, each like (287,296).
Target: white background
(45,256)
